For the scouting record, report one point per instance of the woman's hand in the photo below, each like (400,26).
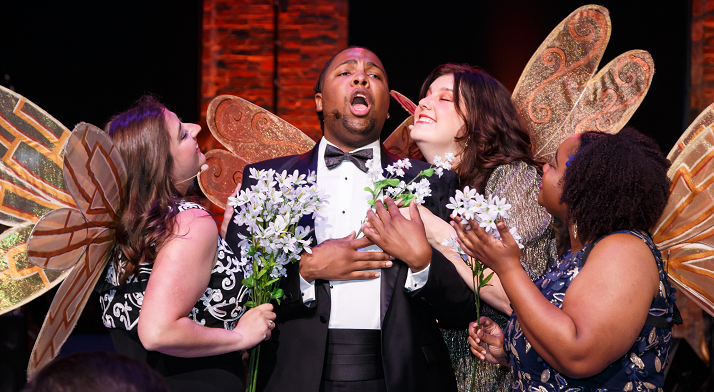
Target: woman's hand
(487,342)
(256,325)
(493,253)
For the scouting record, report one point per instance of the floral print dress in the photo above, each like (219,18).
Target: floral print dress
(641,369)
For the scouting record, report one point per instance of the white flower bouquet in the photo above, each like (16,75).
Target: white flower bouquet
(470,205)
(271,210)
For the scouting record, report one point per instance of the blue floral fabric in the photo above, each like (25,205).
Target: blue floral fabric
(641,369)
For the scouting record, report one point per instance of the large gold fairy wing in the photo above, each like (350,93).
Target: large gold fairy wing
(608,101)
(94,175)
(685,231)
(31,185)
(400,142)
(252,134)
(556,75)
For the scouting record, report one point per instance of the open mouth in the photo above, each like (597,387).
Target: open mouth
(359,105)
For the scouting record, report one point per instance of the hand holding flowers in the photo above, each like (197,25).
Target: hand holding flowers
(271,210)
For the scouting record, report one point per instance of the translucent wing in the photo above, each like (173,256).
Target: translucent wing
(400,142)
(252,134)
(31,185)
(95,175)
(685,231)
(608,101)
(558,72)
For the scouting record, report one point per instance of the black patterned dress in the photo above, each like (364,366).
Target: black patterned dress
(220,306)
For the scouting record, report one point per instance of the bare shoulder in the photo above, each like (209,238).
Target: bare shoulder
(626,256)
(195,221)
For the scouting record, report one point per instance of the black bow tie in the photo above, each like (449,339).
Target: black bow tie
(334,156)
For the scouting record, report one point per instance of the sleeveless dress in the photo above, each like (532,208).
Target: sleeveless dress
(641,369)
(517,182)
(220,306)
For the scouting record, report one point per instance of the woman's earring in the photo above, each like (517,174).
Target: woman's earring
(387,116)
(575,230)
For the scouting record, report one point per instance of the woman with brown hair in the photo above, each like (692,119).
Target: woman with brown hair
(172,293)
(464,111)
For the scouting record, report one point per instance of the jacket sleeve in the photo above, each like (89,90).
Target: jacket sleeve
(445,294)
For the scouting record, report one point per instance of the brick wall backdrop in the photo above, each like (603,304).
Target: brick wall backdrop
(238,54)
(701,94)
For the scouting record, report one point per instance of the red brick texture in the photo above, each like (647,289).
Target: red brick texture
(238,55)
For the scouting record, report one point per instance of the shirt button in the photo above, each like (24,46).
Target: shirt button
(345,178)
(323,319)
(343,212)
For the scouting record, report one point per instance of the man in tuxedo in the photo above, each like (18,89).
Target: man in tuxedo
(355,318)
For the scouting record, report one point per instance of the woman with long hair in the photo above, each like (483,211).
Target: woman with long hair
(464,111)
(172,294)
(600,318)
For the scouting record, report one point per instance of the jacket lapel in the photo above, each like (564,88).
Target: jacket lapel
(389,275)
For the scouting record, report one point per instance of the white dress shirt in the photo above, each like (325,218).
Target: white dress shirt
(355,303)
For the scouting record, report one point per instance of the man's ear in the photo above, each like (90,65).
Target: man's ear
(318,102)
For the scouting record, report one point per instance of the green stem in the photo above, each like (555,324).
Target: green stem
(477,302)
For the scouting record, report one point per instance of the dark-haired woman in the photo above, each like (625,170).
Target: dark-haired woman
(172,294)
(601,317)
(465,111)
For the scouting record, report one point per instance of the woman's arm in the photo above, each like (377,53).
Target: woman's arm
(437,230)
(604,308)
(179,277)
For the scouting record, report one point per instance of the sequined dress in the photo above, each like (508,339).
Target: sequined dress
(518,183)
(220,306)
(641,369)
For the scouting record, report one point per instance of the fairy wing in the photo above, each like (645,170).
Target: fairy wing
(251,134)
(95,175)
(606,103)
(31,185)
(559,71)
(685,231)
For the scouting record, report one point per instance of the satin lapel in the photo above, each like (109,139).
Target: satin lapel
(389,275)
(308,162)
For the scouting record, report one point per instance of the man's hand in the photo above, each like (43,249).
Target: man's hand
(487,342)
(402,238)
(340,259)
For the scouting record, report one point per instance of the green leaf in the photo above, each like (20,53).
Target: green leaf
(261,272)
(428,172)
(277,293)
(277,300)
(487,278)
(271,282)
(391,182)
(248,282)
(370,202)
(250,304)
(368,189)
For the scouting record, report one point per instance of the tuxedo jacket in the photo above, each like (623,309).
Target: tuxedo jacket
(414,354)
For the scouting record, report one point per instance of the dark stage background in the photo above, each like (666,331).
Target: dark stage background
(88,60)
(501,36)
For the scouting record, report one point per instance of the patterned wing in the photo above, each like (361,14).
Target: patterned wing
(400,142)
(94,175)
(607,102)
(556,75)
(685,231)
(252,134)
(31,185)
